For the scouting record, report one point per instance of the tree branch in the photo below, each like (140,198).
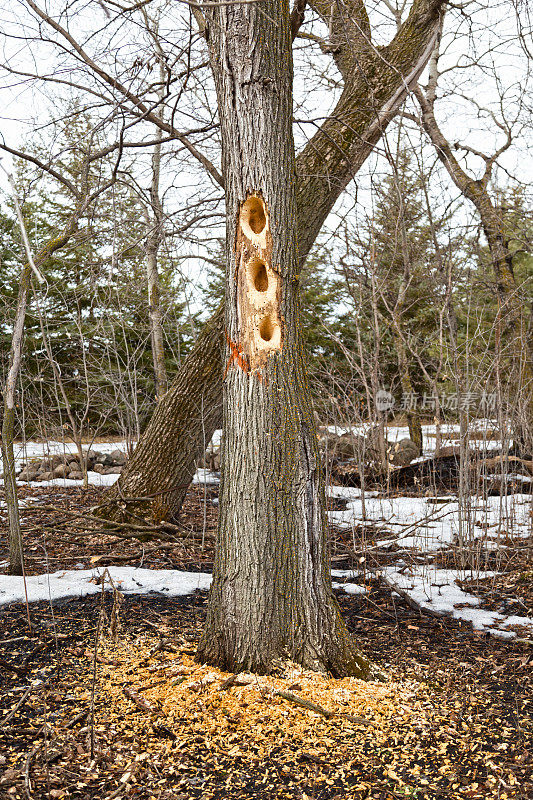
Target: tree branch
(376,81)
(136,102)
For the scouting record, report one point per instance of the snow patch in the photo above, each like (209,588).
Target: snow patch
(354,588)
(202,476)
(418,523)
(82,582)
(437,591)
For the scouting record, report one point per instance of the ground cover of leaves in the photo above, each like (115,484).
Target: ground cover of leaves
(452,719)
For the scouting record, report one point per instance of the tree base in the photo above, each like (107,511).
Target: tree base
(335,653)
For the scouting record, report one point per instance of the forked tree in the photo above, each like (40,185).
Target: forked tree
(376,80)
(271,596)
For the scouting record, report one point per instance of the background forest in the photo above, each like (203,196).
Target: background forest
(92,318)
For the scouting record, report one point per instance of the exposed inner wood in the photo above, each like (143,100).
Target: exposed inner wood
(254,220)
(258,274)
(259,285)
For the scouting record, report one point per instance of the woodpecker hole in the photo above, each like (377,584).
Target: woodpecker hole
(266,329)
(258,274)
(258,284)
(253,217)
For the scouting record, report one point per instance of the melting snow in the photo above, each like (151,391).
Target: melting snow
(81,582)
(422,525)
(437,591)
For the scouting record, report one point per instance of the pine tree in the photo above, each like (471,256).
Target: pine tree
(93,309)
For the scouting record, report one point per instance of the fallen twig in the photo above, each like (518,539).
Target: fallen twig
(299,701)
(27,769)
(390,584)
(131,694)
(164,730)
(74,721)
(352,718)
(12,667)
(16,639)
(14,710)
(229,682)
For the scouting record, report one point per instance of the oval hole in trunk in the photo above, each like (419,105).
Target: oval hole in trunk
(266,329)
(253,217)
(258,274)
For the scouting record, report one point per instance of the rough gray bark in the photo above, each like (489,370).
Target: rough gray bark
(376,81)
(271,596)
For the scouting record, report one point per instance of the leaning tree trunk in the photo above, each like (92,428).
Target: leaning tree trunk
(180,429)
(271,596)
(156,478)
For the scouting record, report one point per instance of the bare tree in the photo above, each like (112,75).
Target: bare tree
(375,82)
(16,559)
(514,336)
(154,223)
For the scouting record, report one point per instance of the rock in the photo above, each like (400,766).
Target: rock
(344,447)
(61,471)
(91,457)
(211,461)
(28,474)
(74,475)
(69,457)
(403,453)
(349,446)
(44,476)
(99,468)
(450,450)
(325,437)
(373,440)
(327,443)
(112,470)
(119,458)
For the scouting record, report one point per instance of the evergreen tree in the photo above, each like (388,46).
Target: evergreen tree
(93,309)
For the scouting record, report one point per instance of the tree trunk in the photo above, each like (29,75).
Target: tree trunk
(182,425)
(153,243)
(16,558)
(376,83)
(271,597)
(413,420)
